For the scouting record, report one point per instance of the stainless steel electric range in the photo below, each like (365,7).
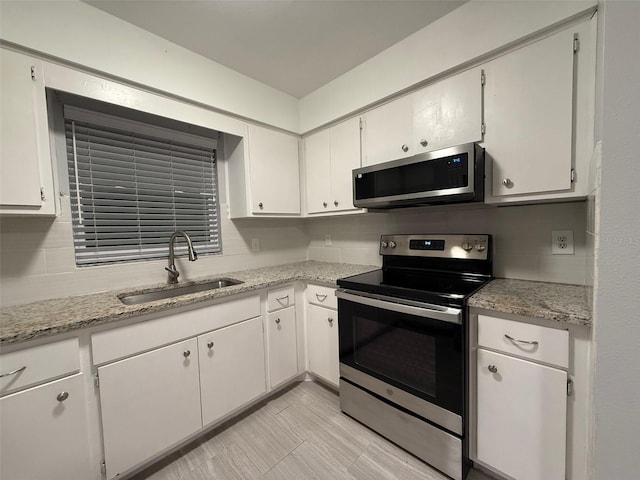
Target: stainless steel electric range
(403,343)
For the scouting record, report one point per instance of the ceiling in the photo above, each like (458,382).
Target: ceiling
(295,46)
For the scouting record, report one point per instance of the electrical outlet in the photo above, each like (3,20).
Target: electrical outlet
(562,242)
(255,244)
(327,240)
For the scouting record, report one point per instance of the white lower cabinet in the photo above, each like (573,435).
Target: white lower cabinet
(149,402)
(521,417)
(44,433)
(322,343)
(282,340)
(231,368)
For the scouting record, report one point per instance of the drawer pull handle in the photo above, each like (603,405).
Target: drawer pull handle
(210,345)
(321,298)
(281,300)
(186,353)
(526,342)
(277,321)
(493,368)
(17,370)
(330,320)
(62,396)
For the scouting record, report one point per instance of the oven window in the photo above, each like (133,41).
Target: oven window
(397,351)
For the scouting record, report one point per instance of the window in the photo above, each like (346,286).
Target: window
(132,185)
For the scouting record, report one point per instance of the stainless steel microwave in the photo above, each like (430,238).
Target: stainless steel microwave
(450,175)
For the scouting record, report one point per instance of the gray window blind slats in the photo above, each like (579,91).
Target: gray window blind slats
(131,190)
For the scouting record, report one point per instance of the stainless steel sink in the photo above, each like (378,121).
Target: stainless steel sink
(175,291)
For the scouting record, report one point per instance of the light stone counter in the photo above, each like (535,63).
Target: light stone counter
(50,317)
(551,301)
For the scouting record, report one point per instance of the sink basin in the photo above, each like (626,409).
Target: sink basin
(175,291)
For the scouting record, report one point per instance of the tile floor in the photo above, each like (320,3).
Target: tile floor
(299,434)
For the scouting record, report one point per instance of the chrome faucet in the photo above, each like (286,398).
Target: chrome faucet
(193,256)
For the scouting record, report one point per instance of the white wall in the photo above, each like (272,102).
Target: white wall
(468,33)
(522,236)
(617,329)
(81,34)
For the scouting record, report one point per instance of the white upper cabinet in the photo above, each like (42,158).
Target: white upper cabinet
(387,132)
(330,157)
(443,114)
(26,178)
(264,173)
(537,131)
(448,113)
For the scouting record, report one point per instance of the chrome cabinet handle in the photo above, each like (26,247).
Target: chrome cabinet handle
(277,321)
(507,183)
(324,204)
(335,202)
(493,369)
(330,320)
(210,345)
(261,205)
(404,148)
(186,353)
(17,370)
(526,342)
(424,142)
(280,299)
(321,298)
(62,396)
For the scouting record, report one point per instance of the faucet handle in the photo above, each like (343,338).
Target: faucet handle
(195,256)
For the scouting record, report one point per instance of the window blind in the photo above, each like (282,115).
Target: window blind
(132,185)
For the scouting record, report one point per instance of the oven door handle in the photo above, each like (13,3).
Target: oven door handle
(436,312)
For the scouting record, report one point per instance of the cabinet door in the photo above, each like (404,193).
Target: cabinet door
(528,113)
(148,403)
(322,343)
(283,351)
(231,368)
(387,132)
(274,171)
(25,158)
(522,409)
(345,156)
(318,171)
(44,433)
(448,113)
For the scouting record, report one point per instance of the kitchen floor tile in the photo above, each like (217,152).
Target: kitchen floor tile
(299,434)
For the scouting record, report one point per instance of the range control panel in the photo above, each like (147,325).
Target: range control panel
(466,246)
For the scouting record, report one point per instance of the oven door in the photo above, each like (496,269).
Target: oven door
(414,347)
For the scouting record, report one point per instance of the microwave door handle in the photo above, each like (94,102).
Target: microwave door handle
(446,314)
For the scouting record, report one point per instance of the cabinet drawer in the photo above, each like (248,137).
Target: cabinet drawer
(40,364)
(526,340)
(324,296)
(280,298)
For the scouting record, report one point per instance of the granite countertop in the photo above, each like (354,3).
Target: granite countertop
(551,301)
(20,323)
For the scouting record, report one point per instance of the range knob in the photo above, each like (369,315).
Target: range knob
(481,247)
(467,246)
(384,244)
(392,244)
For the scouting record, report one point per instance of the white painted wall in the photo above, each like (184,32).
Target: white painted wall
(468,33)
(81,34)
(617,279)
